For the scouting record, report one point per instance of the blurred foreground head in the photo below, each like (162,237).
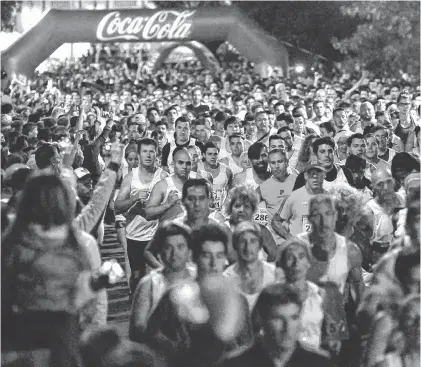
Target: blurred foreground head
(216,302)
(104,347)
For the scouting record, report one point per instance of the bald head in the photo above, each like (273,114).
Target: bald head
(380,175)
(182,162)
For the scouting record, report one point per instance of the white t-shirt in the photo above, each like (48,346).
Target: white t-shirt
(294,211)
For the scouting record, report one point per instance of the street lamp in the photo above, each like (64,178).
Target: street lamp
(299,68)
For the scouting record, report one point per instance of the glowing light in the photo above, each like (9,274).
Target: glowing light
(299,68)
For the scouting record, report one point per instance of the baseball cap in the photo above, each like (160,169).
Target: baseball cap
(81,172)
(314,165)
(342,134)
(247,226)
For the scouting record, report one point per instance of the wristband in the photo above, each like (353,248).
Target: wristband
(114,166)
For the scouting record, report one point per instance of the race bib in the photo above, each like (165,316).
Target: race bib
(305,221)
(261,216)
(306,224)
(218,198)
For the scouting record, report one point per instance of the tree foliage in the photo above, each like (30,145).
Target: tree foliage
(9,9)
(387,39)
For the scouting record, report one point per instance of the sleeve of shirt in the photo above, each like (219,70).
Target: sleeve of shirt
(92,212)
(165,154)
(300,181)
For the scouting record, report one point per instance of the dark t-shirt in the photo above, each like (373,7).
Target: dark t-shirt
(300,181)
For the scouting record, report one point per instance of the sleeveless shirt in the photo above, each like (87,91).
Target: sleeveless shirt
(140,229)
(261,216)
(269,276)
(338,266)
(219,187)
(234,168)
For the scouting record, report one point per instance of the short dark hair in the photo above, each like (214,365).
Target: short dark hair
(276,294)
(198,122)
(355,136)
(404,93)
(320,141)
(234,136)
(285,116)
(338,109)
(255,149)
(146,141)
(407,259)
(44,154)
(166,229)
(230,121)
(208,232)
(162,122)
(283,129)
(191,182)
(209,145)
(181,119)
(221,116)
(172,107)
(375,128)
(150,109)
(316,101)
(355,163)
(328,126)
(275,137)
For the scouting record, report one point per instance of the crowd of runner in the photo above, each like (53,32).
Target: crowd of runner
(265,222)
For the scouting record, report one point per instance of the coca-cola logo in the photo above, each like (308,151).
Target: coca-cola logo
(163,25)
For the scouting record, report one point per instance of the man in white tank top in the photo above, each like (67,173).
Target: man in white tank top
(222,175)
(380,212)
(165,200)
(334,258)
(134,192)
(234,160)
(256,175)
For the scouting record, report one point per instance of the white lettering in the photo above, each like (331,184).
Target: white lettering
(162,25)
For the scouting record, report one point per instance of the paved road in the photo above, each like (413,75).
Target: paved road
(118,296)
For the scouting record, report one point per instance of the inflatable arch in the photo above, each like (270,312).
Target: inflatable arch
(205,56)
(141,25)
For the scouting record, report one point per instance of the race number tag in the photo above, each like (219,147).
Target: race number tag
(305,221)
(306,224)
(218,197)
(261,215)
